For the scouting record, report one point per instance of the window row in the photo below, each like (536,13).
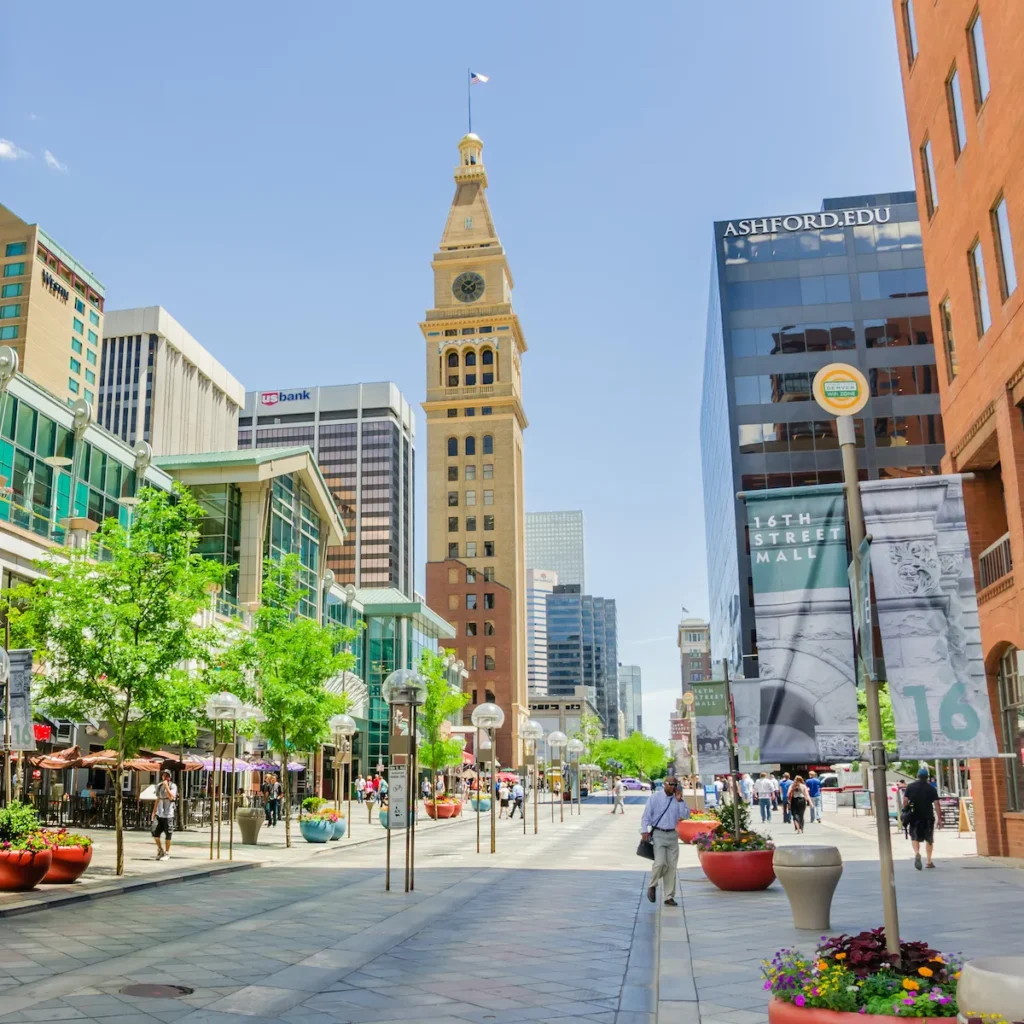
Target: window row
(471,550)
(485,410)
(453,332)
(821,435)
(835,337)
(16,249)
(471,603)
(469,472)
(774,388)
(470,498)
(469,446)
(453,524)
(469,379)
(788,291)
(903,380)
(808,478)
(471,629)
(469,358)
(785,245)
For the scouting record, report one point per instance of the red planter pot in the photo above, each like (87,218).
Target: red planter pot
(689,829)
(69,862)
(21,870)
(739,872)
(788,1013)
(442,810)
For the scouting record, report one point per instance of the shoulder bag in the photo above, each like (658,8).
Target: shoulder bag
(645,848)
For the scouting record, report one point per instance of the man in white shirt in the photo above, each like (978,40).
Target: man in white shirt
(360,788)
(517,800)
(163,814)
(619,792)
(763,790)
(664,810)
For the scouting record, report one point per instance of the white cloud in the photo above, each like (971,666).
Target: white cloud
(53,163)
(10,151)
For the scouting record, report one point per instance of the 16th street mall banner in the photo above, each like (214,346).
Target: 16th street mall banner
(802,612)
(712,720)
(928,616)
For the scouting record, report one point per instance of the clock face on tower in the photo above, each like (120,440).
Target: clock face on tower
(468,287)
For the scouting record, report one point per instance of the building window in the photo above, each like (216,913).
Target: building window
(93,337)
(471,549)
(487,378)
(487,356)
(453,602)
(88,395)
(94,318)
(76,345)
(453,414)
(453,359)
(470,629)
(488,497)
(955,102)
(982,311)
(470,359)
(471,445)
(79,306)
(78,325)
(470,380)
(471,601)
(488,522)
(14,269)
(470,412)
(90,356)
(931,194)
(489,574)
(948,342)
(453,524)
(453,473)
(8,333)
(76,366)
(1011,714)
(15,249)
(471,575)
(453,575)
(470,472)
(1004,249)
(453,549)
(979,62)
(488,662)
(910,31)
(10,312)
(453,380)
(488,548)
(486,410)
(488,600)
(453,499)
(488,470)
(470,524)
(488,444)
(453,447)
(72,385)
(90,377)
(488,628)
(11,291)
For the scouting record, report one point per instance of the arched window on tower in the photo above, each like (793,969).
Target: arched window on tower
(487,357)
(453,358)
(471,445)
(470,359)
(487,360)
(488,444)
(453,447)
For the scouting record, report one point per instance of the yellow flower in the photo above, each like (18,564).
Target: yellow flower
(910,985)
(925,972)
(840,956)
(936,960)
(957,976)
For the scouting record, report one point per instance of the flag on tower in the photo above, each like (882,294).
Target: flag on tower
(475,79)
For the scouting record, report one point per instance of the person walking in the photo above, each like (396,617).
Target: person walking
(360,788)
(665,809)
(618,792)
(798,800)
(784,786)
(919,802)
(271,799)
(747,788)
(763,789)
(517,800)
(163,815)
(503,799)
(814,792)
(425,788)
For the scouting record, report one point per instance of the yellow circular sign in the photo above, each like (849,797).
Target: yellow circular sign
(687,698)
(841,389)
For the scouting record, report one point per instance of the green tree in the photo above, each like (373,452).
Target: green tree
(643,755)
(589,733)
(282,666)
(115,629)
(435,750)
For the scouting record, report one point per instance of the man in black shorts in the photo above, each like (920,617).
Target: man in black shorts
(163,814)
(919,800)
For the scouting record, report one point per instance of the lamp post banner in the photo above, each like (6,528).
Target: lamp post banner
(23,736)
(928,616)
(712,721)
(808,686)
(746,704)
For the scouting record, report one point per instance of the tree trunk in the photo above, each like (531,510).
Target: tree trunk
(119,817)
(286,791)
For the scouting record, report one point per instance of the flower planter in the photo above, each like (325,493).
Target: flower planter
(316,830)
(689,829)
(739,871)
(481,805)
(21,870)
(250,821)
(442,810)
(790,1013)
(340,828)
(384,818)
(68,864)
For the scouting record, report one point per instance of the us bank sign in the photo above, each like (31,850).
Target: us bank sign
(810,221)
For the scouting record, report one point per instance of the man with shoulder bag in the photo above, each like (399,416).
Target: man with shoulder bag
(659,839)
(163,815)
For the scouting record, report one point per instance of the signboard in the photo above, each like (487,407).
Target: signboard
(928,617)
(861,800)
(967,814)
(949,812)
(829,801)
(746,709)
(841,389)
(688,698)
(712,726)
(23,736)
(808,694)
(710,796)
(398,797)
(863,627)
(809,221)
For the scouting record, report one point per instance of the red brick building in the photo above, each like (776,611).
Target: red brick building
(963,80)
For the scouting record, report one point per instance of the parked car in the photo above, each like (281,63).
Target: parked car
(630,783)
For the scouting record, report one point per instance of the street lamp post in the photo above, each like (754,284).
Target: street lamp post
(406,688)
(575,748)
(533,733)
(221,707)
(556,741)
(344,728)
(5,678)
(490,717)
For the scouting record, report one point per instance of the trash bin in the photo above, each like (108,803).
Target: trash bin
(250,820)
(809,874)
(993,985)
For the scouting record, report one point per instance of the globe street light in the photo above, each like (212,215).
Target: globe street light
(533,733)
(221,707)
(575,747)
(403,687)
(343,728)
(490,717)
(557,740)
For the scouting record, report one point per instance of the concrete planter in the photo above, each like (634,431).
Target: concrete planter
(250,820)
(992,985)
(809,874)
(340,828)
(316,830)
(441,810)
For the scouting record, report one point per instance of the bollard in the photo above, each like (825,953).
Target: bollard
(992,985)
(809,874)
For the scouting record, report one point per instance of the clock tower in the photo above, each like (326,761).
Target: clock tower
(476,554)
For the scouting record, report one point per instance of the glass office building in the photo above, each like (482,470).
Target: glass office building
(788,295)
(554,541)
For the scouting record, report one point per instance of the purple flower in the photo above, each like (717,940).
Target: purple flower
(863,1009)
(799,1000)
(909,1001)
(767,986)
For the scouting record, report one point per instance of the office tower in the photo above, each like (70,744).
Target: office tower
(694,640)
(158,384)
(475,423)
(363,437)
(583,650)
(631,697)
(539,583)
(963,81)
(554,541)
(790,294)
(51,310)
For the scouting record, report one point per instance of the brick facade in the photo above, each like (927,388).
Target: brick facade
(983,390)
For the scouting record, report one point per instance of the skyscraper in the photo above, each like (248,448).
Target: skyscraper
(694,640)
(475,423)
(631,697)
(554,541)
(363,437)
(539,583)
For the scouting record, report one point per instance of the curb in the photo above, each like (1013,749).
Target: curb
(638,1000)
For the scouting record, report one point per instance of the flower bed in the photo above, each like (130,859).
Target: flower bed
(442,807)
(699,821)
(854,975)
(25,853)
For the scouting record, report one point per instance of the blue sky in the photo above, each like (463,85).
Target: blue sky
(279,183)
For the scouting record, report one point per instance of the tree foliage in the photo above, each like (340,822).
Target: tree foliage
(437,750)
(638,755)
(116,629)
(589,733)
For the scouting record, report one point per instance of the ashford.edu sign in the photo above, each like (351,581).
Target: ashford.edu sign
(810,221)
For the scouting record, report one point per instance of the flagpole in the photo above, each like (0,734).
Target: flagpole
(469,97)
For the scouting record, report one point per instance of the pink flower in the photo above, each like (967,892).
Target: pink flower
(909,1001)
(799,1000)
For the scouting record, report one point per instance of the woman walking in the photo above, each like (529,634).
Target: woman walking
(798,798)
